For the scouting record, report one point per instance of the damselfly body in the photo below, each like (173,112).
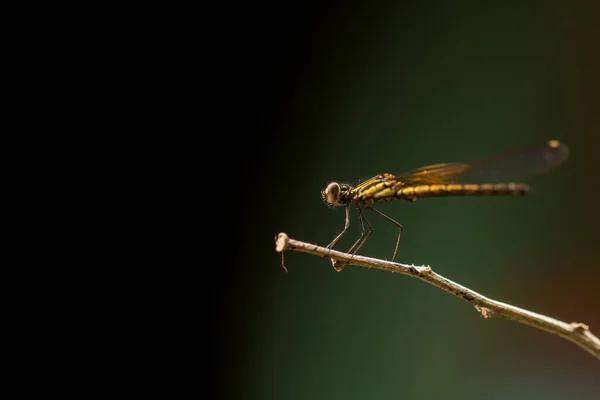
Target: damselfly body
(491,176)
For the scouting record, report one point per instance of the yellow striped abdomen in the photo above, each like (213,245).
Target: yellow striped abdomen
(453,189)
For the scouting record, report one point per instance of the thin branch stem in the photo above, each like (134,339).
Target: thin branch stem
(576,332)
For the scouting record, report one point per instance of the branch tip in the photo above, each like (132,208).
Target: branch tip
(281,242)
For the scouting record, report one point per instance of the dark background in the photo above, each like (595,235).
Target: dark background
(344,90)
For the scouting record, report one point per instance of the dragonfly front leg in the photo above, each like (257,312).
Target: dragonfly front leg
(347,224)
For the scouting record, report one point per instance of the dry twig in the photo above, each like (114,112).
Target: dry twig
(576,332)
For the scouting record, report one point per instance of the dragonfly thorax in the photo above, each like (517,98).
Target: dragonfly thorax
(336,194)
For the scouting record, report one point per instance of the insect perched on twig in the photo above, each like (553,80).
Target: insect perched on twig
(490,176)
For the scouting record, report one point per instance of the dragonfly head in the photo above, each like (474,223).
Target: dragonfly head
(336,194)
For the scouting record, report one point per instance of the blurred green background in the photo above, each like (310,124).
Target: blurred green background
(344,90)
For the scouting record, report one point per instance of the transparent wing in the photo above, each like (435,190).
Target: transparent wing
(510,166)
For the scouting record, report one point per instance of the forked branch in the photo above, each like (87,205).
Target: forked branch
(576,332)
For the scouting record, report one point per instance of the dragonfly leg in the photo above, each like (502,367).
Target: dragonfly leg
(398,224)
(363,238)
(346,225)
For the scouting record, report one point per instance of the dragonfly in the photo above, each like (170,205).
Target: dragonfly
(489,176)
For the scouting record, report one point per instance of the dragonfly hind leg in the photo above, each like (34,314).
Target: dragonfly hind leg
(398,224)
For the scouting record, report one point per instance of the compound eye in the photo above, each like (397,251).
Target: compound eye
(331,194)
